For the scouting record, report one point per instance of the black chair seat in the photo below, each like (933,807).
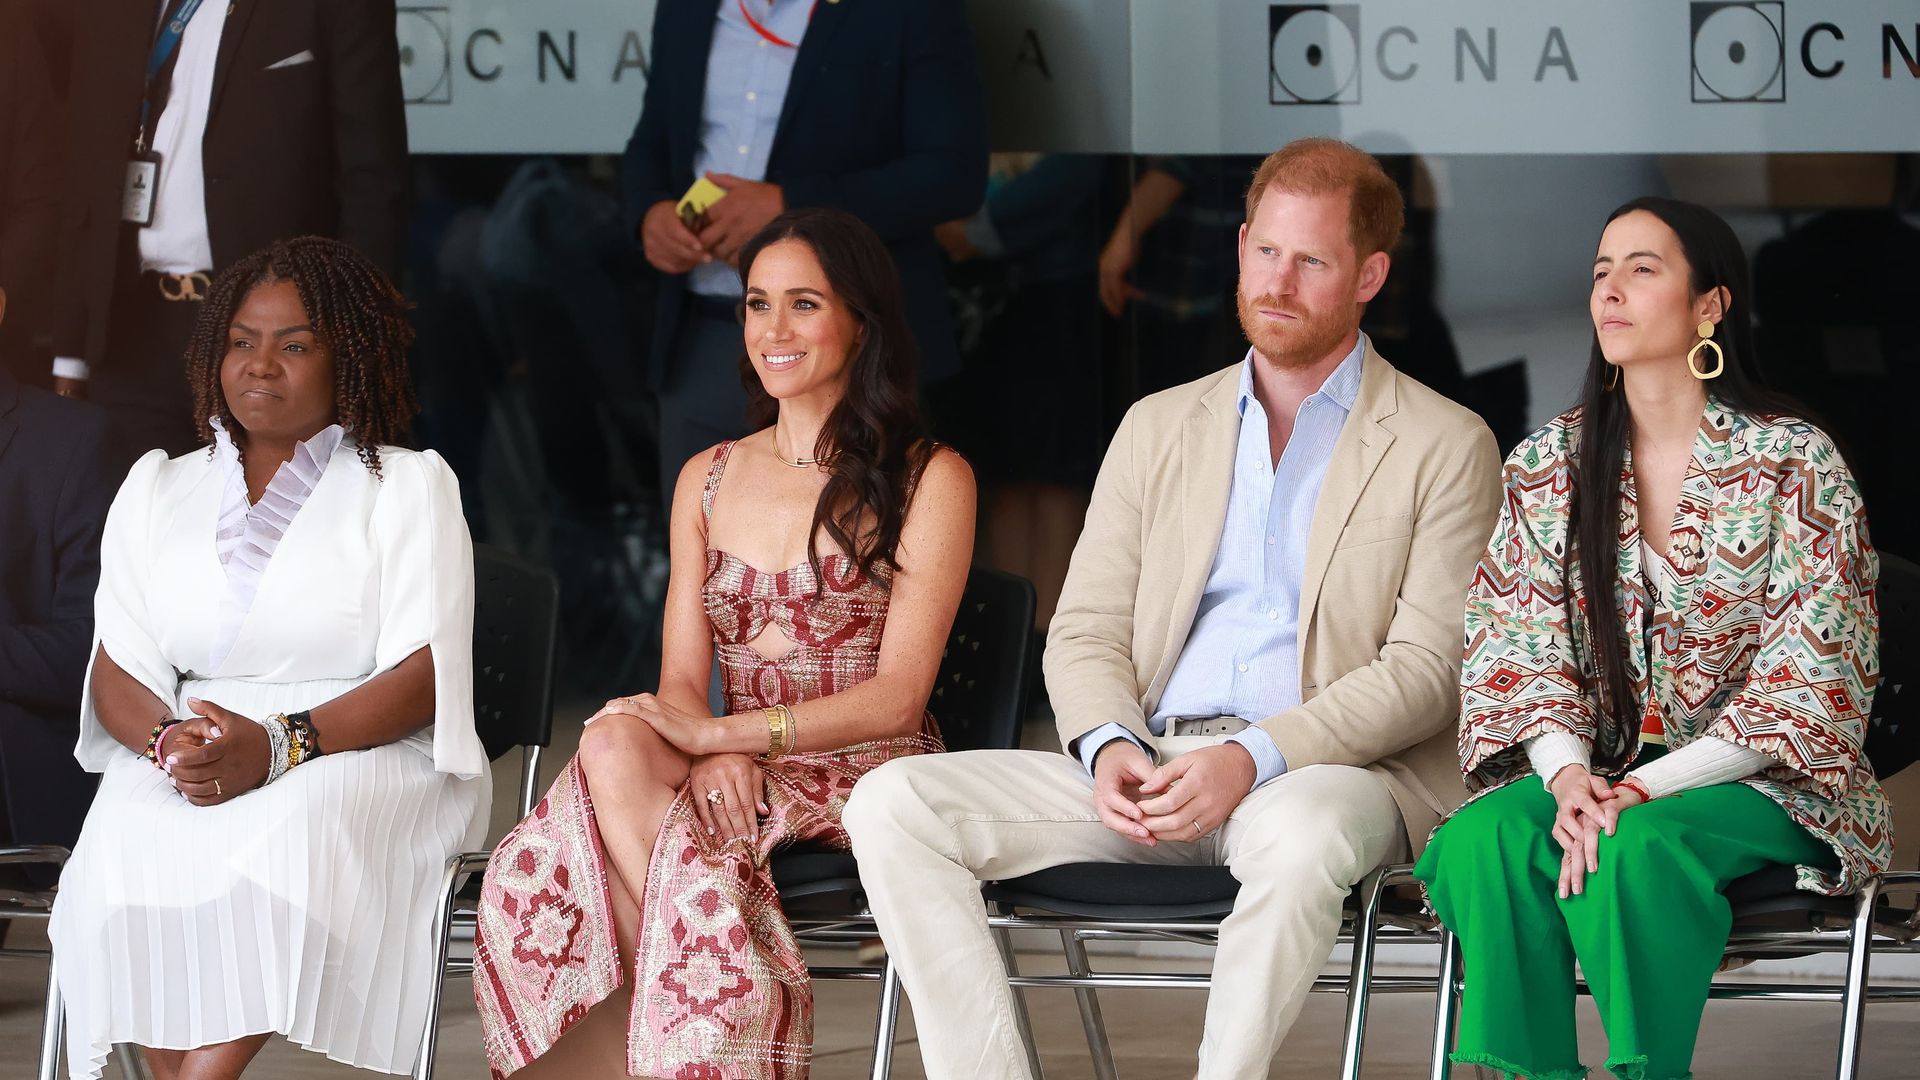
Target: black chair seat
(1122,891)
(1150,893)
(817,882)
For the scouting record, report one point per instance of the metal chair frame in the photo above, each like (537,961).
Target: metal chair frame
(1365,927)
(857,924)
(1856,937)
(450,914)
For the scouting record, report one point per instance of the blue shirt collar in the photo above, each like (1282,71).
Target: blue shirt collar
(1342,388)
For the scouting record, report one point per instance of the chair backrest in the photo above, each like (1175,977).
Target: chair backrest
(1893,734)
(516,617)
(985,678)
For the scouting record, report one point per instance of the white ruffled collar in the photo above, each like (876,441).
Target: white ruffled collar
(248,533)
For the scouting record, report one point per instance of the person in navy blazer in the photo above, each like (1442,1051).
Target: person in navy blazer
(871,106)
(56,480)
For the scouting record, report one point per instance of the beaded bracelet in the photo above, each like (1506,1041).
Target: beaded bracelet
(277,741)
(304,731)
(155,738)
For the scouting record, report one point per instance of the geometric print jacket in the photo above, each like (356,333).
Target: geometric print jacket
(1768,636)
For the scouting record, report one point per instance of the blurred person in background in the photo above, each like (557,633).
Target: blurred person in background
(1026,408)
(56,478)
(200,131)
(30,134)
(872,108)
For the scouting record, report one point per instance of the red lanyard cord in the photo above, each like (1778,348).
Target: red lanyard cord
(760,28)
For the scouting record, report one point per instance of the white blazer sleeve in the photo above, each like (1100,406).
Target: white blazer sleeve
(426,596)
(120,618)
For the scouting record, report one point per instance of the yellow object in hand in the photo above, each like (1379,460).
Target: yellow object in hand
(693,206)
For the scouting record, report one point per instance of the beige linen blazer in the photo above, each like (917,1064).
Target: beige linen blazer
(1409,500)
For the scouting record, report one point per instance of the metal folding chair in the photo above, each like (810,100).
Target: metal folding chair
(515,625)
(1187,904)
(979,700)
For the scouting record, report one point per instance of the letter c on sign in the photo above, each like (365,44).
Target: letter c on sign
(1380,54)
(474,39)
(1806,50)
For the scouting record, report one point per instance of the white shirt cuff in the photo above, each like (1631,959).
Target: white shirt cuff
(68,367)
(1088,746)
(1704,762)
(1268,761)
(1555,751)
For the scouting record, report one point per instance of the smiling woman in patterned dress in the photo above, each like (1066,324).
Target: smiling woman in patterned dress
(822,560)
(1674,628)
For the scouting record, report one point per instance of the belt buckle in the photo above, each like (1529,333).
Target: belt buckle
(185,287)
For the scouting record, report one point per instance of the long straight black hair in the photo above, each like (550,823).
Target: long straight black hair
(1714,260)
(874,444)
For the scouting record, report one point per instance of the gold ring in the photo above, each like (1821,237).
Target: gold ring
(216,786)
(1196,828)
(715,797)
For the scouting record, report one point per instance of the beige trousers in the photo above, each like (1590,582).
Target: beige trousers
(928,829)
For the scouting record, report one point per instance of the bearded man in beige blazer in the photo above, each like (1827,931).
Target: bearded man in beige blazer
(1256,655)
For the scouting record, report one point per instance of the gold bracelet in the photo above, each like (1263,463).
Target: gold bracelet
(776,731)
(791,733)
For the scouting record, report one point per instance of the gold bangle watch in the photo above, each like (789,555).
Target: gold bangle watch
(782,732)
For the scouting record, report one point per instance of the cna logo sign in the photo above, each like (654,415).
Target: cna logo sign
(1313,54)
(1739,51)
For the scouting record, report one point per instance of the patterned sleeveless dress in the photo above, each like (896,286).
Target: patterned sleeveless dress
(721,987)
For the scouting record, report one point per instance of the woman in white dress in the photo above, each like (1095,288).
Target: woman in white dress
(301,593)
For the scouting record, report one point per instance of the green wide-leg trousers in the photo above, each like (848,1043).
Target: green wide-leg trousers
(1649,930)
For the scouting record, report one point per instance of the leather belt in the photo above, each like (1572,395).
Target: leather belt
(1207,725)
(180,288)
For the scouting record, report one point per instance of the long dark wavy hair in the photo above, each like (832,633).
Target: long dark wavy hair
(1714,260)
(356,313)
(874,444)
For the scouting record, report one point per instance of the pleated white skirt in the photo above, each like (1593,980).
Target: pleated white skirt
(303,908)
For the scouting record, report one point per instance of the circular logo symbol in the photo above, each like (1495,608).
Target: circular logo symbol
(426,58)
(1315,57)
(1737,53)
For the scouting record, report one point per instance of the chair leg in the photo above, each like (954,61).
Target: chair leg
(1360,982)
(1004,940)
(887,1022)
(442,937)
(133,1062)
(1090,1018)
(1445,1008)
(1853,1006)
(53,1025)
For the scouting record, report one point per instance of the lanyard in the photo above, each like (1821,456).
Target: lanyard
(164,46)
(761,29)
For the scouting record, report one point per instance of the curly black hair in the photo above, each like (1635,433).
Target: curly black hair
(356,313)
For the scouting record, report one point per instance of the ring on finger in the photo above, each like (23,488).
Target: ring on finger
(216,786)
(716,797)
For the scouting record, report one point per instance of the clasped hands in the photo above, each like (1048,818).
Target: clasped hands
(215,756)
(1180,802)
(1588,807)
(737,777)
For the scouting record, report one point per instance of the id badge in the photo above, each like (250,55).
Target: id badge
(143,180)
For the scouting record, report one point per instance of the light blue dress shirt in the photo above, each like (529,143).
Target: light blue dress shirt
(1242,657)
(747,78)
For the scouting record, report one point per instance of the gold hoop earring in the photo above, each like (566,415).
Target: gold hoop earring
(1613,376)
(1706,342)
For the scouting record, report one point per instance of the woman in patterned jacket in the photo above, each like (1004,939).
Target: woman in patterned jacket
(1674,628)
